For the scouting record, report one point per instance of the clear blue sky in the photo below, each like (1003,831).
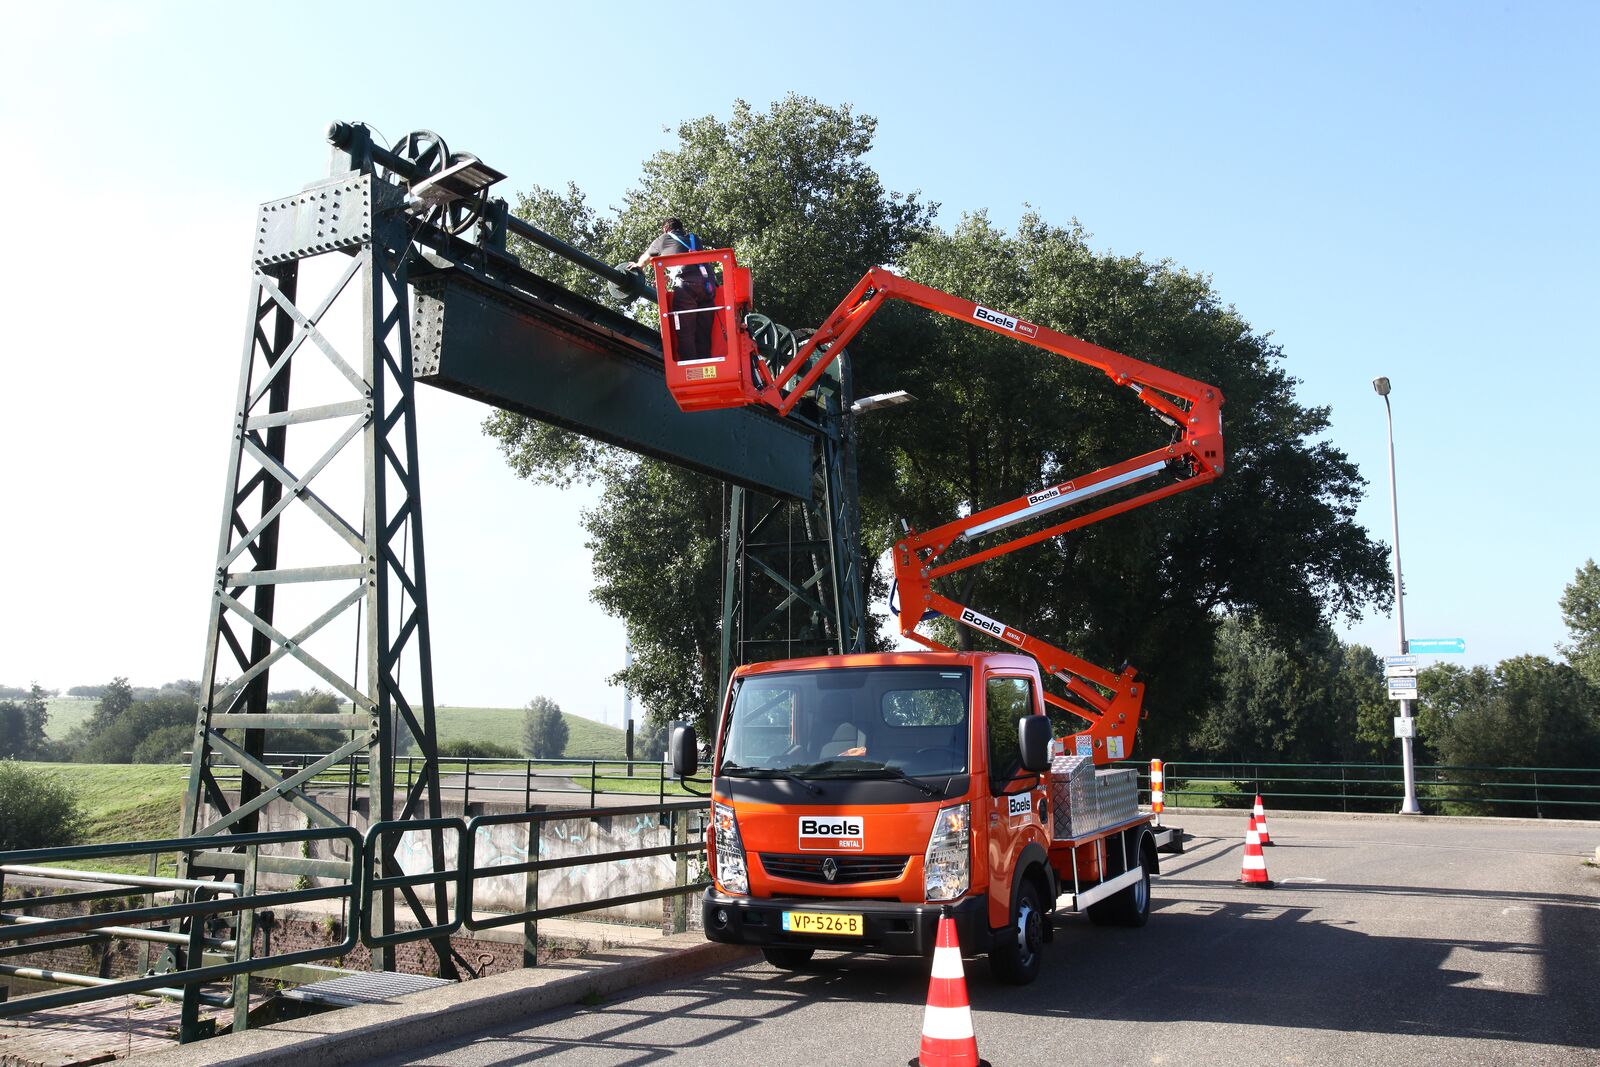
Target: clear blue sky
(1400,192)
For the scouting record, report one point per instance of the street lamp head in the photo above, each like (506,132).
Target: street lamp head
(1381,386)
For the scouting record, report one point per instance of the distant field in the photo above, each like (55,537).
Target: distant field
(65,713)
(586,738)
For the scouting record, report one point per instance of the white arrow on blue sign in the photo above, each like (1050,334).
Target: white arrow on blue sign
(1437,645)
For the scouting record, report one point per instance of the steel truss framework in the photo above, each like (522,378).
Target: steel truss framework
(792,572)
(793,566)
(377,577)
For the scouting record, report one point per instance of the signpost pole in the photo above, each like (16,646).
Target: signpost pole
(1408,806)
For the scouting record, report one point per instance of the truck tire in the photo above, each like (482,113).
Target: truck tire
(787,957)
(1018,949)
(1130,906)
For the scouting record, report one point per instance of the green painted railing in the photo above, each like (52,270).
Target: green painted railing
(203,965)
(1442,789)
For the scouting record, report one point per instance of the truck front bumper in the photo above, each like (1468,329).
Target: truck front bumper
(889,927)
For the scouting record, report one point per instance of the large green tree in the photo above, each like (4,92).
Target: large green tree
(1275,538)
(790,190)
(1302,702)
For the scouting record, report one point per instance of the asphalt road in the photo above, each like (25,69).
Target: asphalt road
(1386,942)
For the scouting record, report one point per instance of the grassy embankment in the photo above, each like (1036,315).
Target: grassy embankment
(125,802)
(142,802)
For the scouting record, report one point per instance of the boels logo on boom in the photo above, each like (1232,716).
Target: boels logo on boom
(1004,321)
(991,626)
(832,833)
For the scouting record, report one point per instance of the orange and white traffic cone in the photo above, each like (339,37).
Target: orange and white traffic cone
(1254,874)
(1261,821)
(947,1037)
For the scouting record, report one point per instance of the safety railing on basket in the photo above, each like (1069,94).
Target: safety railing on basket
(1442,789)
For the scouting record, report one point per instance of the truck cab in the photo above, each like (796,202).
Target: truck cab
(856,798)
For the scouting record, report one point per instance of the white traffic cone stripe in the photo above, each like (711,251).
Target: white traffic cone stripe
(947,963)
(947,1024)
(1255,863)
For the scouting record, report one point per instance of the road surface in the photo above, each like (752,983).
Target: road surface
(1386,942)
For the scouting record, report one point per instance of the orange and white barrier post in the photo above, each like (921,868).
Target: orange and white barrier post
(1254,873)
(1158,789)
(947,1037)
(1261,821)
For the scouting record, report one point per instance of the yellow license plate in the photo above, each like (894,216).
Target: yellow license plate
(816,922)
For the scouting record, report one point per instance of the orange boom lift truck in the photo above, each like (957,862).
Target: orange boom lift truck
(855,797)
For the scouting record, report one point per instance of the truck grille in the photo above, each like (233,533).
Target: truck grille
(852,869)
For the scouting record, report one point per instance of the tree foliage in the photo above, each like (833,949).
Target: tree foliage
(115,698)
(1303,702)
(1580,610)
(544,729)
(790,190)
(146,731)
(1528,711)
(22,724)
(37,809)
(1274,539)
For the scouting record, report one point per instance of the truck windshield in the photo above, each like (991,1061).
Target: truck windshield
(848,722)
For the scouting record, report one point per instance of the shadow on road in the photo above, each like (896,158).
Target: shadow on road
(1198,961)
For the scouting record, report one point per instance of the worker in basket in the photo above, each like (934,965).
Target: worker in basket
(692,291)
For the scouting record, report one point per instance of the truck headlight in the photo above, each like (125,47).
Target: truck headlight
(947,867)
(732,877)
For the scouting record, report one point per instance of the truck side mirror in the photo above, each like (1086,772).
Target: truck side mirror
(1033,740)
(685,753)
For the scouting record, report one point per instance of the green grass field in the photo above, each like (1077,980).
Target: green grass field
(65,713)
(587,739)
(125,802)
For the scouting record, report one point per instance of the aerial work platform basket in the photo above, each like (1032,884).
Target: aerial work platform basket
(723,375)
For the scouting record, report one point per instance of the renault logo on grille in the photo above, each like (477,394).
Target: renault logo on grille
(830,868)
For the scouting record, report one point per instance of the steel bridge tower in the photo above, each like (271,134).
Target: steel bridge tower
(415,251)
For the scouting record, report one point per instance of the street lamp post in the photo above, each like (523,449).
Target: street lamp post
(1409,805)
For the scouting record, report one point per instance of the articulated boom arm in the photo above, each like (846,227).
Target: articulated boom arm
(731,376)
(1109,702)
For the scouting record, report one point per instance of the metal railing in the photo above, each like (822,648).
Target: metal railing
(1442,789)
(685,820)
(180,913)
(480,775)
(172,901)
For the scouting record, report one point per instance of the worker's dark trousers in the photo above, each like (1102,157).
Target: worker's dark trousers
(692,331)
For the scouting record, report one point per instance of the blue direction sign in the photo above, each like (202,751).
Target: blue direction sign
(1437,645)
(1399,661)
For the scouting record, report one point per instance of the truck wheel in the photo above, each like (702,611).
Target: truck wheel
(787,958)
(1131,906)
(1018,949)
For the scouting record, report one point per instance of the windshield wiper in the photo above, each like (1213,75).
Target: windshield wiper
(733,770)
(882,770)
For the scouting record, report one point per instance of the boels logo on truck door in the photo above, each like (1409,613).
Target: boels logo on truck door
(832,833)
